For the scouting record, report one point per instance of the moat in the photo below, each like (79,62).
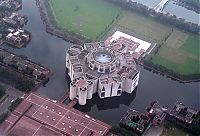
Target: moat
(51,51)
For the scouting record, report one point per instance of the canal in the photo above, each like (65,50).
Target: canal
(50,51)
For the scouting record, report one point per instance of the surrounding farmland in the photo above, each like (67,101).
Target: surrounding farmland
(92,19)
(88,18)
(144,25)
(192,45)
(180,53)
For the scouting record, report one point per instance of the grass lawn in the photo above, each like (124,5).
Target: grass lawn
(180,53)
(191,66)
(192,45)
(2,91)
(89,18)
(144,26)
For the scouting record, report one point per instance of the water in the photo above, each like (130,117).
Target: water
(174,9)
(50,51)
(182,12)
(45,49)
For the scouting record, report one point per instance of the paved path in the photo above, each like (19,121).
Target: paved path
(161,5)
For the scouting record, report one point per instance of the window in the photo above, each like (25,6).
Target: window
(101,70)
(134,84)
(118,92)
(136,78)
(103,89)
(103,94)
(91,66)
(120,86)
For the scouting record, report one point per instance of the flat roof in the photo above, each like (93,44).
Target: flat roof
(44,116)
(142,44)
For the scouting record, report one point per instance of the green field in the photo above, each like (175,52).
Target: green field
(88,18)
(145,26)
(94,18)
(192,45)
(180,53)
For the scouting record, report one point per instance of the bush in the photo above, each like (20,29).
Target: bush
(20,82)
(2,91)
(3,117)
(14,104)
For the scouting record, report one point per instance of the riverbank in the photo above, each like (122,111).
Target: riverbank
(21,72)
(90,19)
(51,27)
(171,75)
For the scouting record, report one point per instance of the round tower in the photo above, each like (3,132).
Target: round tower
(90,90)
(82,93)
(73,92)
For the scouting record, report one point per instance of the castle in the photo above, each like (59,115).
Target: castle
(105,68)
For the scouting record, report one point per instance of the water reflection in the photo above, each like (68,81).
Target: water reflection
(108,103)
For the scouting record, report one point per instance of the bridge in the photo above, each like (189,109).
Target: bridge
(161,5)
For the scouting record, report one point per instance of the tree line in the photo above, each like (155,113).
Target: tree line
(164,18)
(20,82)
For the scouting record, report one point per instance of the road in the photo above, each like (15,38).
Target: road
(12,95)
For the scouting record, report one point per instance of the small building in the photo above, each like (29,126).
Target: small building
(17,37)
(136,47)
(157,113)
(134,121)
(14,20)
(10,5)
(183,114)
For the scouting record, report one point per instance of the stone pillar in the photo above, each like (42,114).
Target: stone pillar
(82,96)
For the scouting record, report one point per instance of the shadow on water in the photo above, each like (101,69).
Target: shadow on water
(107,103)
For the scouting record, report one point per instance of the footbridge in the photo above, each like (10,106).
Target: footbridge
(161,5)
